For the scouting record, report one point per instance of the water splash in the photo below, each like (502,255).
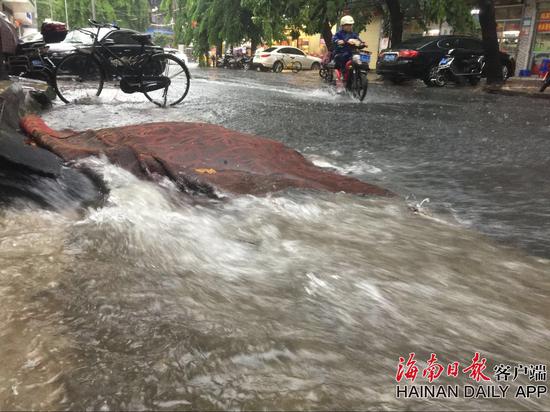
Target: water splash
(162,303)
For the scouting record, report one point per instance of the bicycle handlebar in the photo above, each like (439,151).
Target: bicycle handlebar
(103,25)
(361,46)
(88,32)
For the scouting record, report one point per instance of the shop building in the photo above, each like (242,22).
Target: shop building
(533,40)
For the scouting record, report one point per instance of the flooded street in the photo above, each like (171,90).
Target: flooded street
(300,299)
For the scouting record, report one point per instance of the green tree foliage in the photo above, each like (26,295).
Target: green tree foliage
(320,16)
(133,14)
(455,12)
(211,22)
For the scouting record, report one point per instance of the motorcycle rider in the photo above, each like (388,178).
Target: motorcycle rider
(342,53)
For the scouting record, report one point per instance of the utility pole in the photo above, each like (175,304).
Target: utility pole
(93,9)
(51,10)
(66,16)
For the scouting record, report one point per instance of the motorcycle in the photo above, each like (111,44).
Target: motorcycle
(229,61)
(545,82)
(355,76)
(243,62)
(225,61)
(457,66)
(31,61)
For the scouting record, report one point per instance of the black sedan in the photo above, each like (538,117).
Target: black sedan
(120,43)
(414,58)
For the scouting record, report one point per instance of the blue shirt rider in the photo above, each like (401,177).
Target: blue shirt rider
(342,50)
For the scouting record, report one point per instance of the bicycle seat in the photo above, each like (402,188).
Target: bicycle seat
(142,38)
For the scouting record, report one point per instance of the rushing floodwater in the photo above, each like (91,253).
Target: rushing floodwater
(298,300)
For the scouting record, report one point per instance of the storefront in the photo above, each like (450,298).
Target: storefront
(508,14)
(541,44)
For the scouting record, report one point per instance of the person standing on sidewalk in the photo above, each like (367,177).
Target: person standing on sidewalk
(8,44)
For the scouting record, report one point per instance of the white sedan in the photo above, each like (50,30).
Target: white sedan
(282,57)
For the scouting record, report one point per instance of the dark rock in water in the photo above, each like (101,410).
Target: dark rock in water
(12,107)
(41,98)
(32,158)
(37,175)
(34,174)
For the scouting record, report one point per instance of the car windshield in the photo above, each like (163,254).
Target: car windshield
(78,37)
(415,43)
(270,49)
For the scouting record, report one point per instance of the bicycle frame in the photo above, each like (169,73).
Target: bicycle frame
(143,58)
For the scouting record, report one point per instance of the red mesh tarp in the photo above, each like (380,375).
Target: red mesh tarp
(198,157)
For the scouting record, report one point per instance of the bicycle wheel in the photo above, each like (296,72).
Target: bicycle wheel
(359,85)
(166,65)
(78,76)
(296,66)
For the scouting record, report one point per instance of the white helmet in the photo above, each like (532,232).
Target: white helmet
(346,20)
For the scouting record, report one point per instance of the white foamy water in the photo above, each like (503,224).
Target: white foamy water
(298,300)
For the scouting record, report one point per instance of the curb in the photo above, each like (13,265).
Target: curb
(533,93)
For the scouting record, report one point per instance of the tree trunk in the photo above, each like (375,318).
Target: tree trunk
(253,46)
(219,49)
(327,35)
(493,64)
(396,20)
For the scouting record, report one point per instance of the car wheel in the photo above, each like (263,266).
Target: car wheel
(315,66)
(277,67)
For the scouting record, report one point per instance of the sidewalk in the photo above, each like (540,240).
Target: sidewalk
(520,86)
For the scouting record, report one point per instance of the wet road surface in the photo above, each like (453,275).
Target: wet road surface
(298,300)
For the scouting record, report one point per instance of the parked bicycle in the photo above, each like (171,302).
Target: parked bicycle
(287,62)
(161,77)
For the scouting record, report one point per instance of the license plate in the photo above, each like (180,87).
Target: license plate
(390,57)
(365,58)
